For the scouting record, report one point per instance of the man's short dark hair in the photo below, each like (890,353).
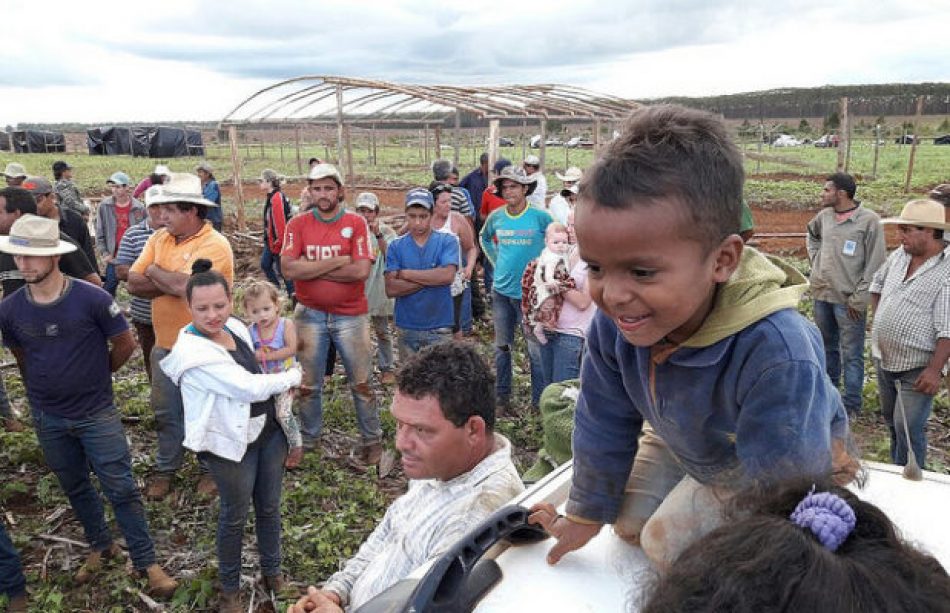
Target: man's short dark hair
(483,158)
(844,182)
(18,199)
(670,152)
(187,206)
(456,376)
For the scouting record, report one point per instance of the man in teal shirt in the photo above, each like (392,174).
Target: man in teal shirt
(511,237)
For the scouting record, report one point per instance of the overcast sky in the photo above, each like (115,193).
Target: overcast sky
(126,60)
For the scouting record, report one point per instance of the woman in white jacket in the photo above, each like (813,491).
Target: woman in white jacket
(230,420)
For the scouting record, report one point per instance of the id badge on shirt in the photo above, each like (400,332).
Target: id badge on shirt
(849,248)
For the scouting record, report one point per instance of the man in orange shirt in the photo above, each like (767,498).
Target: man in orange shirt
(160,273)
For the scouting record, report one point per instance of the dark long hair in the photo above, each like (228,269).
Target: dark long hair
(203,276)
(762,562)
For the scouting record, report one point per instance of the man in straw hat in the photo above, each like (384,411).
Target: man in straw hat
(563,202)
(532,167)
(327,254)
(910,335)
(160,273)
(512,236)
(68,337)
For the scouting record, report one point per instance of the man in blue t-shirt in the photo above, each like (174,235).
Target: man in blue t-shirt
(511,237)
(420,268)
(68,337)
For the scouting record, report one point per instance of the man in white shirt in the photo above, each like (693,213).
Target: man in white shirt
(460,472)
(532,168)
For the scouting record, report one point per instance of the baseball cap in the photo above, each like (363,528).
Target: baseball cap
(367,200)
(419,196)
(119,178)
(323,171)
(37,186)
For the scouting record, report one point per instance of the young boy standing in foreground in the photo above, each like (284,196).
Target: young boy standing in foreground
(695,335)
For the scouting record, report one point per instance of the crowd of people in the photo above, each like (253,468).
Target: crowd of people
(693,361)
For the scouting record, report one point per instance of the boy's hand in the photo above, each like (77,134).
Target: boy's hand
(570,535)
(316,601)
(294,456)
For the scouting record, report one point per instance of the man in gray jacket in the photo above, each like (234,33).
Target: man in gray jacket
(116,214)
(846,247)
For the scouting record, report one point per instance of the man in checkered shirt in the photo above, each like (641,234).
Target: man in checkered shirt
(910,295)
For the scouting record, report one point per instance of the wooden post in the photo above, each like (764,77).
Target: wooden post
(913,144)
(843,141)
(877,149)
(297,147)
(349,152)
(438,142)
(236,178)
(596,138)
(758,160)
(524,138)
(493,134)
(373,137)
(458,125)
(280,142)
(425,144)
(544,138)
(339,125)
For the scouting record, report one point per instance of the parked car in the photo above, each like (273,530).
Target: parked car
(554,142)
(500,565)
(828,140)
(535,142)
(504,141)
(907,139)
(579,142)
(942,140)
(786,140)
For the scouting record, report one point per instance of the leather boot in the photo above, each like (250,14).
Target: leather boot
(93,563)
(160,584)
(230,602)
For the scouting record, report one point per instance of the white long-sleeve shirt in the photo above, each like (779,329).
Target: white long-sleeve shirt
(537,197)
(424,523)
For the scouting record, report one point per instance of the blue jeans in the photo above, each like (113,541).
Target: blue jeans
(488,274)
(350,334)
(384,342)
(560,357)
(843,338)
(71,447)
(12,581)
(411,341)
(917,407)
(506,315)
(270,264)
(111,282)
(258,477)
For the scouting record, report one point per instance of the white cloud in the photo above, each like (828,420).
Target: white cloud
(115,60)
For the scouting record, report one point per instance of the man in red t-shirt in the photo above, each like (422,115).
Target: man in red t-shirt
(326,254)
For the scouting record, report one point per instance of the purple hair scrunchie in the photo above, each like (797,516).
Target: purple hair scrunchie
(827,515)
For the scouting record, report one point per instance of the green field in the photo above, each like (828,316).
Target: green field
(785,174)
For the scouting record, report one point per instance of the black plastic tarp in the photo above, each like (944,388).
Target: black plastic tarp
(145,141)
(37,141)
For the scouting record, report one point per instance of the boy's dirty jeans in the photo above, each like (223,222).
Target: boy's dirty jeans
(506,314)
(664,509)
(350,334)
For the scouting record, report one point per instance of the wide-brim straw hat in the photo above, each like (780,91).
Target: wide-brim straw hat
(518,175)
(571,174)
(35,235)
(181,187)
(923,213)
